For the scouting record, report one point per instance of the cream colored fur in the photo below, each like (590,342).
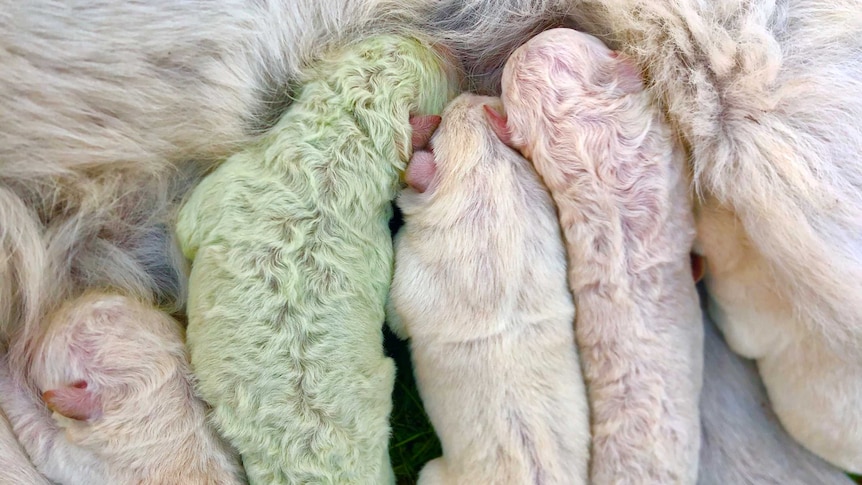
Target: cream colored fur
(109,108)
(146,427)
(480,290)
(815,389)
(768,97)
(742,440)
(579,112)
(15,465)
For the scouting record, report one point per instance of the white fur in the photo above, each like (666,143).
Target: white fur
(767,96)
(105,98)
(742,440)
(480,290)
(580,113)
(15,466)
(149,428)
(815,389)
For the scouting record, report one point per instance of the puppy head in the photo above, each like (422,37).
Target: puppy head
(468,223)
(391,75)
(561,74)
(455,166)
(102,354)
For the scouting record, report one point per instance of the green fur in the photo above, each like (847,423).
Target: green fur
(292,261)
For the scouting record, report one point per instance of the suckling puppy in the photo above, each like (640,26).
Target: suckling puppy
(480,289)
(768,97)
(292,261)
(743,442)
(116,375)
(579,112)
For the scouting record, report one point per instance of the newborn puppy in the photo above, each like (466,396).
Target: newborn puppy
(743,442)
(292,262)
(578,110)
(116,375)
(815,385)
(480,290)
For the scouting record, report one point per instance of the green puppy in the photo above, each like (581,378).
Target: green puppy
(292,261)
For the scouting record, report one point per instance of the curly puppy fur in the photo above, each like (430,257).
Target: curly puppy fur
(742,440)
(292,261)
(579,112)
(768,95)
(480,289)
(116,375)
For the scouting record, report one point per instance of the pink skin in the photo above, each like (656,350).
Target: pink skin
(116,368)
(74,401)
(423,127)
(421,168)
(499,124)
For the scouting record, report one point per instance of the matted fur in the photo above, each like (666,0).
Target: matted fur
(480,289)
(580,114)
(742,440)
(148,425)
(292,260)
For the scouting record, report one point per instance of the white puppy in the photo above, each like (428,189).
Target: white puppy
(116,375)
(580,113)
(480,290)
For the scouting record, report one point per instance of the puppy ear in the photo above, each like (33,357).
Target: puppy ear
(698,267)
(74,401)
(499,123)
(421,170)
(628,74)
(423,127)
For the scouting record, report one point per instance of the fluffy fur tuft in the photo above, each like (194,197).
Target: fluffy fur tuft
(292,260)
(579,112)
